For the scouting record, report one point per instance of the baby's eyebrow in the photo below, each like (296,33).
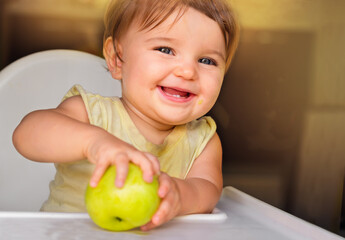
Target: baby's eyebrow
(165,39)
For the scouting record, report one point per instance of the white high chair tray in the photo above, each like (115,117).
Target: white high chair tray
(238,216)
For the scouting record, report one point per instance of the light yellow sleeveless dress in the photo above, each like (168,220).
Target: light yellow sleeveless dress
(176,155)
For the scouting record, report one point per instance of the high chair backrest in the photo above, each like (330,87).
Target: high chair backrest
(39,81)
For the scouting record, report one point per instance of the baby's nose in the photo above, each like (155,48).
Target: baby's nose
(186,70)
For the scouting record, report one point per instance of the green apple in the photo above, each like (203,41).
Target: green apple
(120,209)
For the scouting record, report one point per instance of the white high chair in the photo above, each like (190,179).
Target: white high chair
(39,81)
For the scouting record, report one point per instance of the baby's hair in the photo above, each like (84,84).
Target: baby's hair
(120,15)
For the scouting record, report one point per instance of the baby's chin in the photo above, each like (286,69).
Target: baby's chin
(176,119)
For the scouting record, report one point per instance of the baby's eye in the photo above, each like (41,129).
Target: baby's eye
(165,50)
(207,61)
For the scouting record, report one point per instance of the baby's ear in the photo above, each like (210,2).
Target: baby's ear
(112,58)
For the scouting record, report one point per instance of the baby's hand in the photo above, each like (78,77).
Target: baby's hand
(107,150)
(170,205)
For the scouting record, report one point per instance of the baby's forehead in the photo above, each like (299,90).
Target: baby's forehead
(164,23)
(191,32)
(148,21)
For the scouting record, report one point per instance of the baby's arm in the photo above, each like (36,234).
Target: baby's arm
(198,193)
(64,134)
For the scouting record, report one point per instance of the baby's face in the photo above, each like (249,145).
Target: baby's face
(173,73)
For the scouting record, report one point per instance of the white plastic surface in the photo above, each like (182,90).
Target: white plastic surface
(217,216)
(34,82)
(214,217)
(248,218)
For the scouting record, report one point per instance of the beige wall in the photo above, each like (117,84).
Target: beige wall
(326,19)
(319,170)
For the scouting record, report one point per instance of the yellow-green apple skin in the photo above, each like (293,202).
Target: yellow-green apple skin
(120,209)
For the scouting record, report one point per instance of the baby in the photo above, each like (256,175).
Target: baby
(171,57)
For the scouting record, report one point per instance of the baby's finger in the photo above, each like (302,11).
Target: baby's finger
(162,215)
(148,226)
(164,185)
(154,162)
(121,170)
(145,164)
(157,219)
(97,174)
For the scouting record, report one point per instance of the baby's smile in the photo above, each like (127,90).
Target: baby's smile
(176,94)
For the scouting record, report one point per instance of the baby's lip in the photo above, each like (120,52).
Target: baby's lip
(176,93)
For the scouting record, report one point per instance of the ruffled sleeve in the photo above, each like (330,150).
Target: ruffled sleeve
(199,134)
(94,105)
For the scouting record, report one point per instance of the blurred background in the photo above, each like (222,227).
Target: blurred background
(281,112)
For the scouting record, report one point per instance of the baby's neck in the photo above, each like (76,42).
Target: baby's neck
(154,132)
